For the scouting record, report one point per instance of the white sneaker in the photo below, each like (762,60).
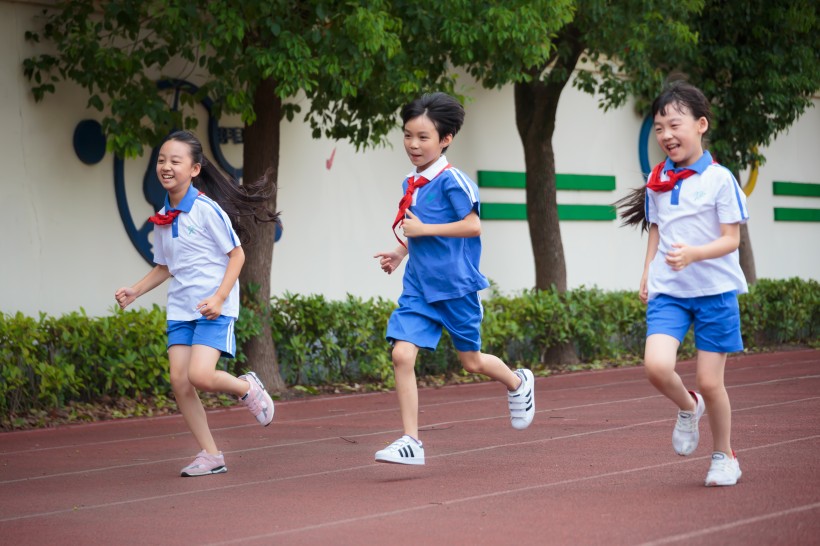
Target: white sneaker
(685,437)
(405,450)
(725,470)
(522,401)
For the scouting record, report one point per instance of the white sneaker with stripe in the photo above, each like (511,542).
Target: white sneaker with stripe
(405,450)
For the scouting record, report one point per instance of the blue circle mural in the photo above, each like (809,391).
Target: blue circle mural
(89,141)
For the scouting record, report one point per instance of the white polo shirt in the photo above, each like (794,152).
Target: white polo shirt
(195,248)
(692,213)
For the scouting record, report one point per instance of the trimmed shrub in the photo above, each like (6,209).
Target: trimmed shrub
(46,362)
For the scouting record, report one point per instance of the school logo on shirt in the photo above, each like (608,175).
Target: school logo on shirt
(191,229)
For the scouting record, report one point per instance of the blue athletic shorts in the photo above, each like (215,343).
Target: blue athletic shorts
(716,319)
(421,323)
(217,333)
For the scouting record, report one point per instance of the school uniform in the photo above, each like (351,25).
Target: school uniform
(442,277)
(195,247)
(691,213)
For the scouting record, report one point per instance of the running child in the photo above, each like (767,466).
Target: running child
(692,208)
(196,245)
(439,216)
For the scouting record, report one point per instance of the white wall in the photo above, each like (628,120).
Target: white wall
(64,246)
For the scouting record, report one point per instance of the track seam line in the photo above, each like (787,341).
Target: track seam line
(371,412)
(734,524)
(427,427)
(371,465)
(483,496)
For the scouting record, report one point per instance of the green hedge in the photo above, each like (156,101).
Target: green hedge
(48,361)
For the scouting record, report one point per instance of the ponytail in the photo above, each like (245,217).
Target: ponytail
(237,200)
(632,208)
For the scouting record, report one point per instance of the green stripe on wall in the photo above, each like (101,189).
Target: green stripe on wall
(796,188)
(577,182)
(795,215)
(518,211)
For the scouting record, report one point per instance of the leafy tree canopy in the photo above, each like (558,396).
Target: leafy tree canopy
(759,63)
(354,62)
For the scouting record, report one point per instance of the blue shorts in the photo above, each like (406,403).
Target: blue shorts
(421,323)
(716,319)
(217,333)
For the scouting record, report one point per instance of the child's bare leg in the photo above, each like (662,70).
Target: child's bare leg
(187,398)
(489,365)
(660,357)
(203,374)
(711,387)
(404,364)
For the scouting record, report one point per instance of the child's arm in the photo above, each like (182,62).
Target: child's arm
(684,254)
(469,226)
(211,307)
(390,261)
(127,294)
(651,250)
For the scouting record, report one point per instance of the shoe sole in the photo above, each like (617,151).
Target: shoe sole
(411,462)
(220,470)
(724,484)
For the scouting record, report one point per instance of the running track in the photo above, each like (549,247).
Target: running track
(595,467)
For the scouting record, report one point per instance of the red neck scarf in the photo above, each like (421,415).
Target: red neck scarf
(656,184)
(407,199)
(164,219)
(168,217)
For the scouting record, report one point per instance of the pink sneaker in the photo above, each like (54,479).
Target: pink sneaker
(205,464)
(257,399)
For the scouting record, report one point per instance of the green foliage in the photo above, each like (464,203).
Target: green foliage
(356,62)
(320,341)
(758,62)
(50,362)
(778,312)
(601,325)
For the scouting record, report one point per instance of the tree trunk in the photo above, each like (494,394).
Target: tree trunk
(536,104)
(260,153)
(535,119)
(747,257)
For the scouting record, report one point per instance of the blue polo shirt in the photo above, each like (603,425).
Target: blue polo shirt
(195,248)
(691,213)
(443,268)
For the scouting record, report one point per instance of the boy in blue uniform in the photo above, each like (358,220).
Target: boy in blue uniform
(439,216)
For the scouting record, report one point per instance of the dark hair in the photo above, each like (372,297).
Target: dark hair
(446,113)
(684,94)
(237,200)
(632,207)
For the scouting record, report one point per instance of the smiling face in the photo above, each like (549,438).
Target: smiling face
(176,168)
(680,134)
(422,142)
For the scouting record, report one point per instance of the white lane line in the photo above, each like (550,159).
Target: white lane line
(733,525)
(422,407)
(452,454)
(492,494)
(427,427)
